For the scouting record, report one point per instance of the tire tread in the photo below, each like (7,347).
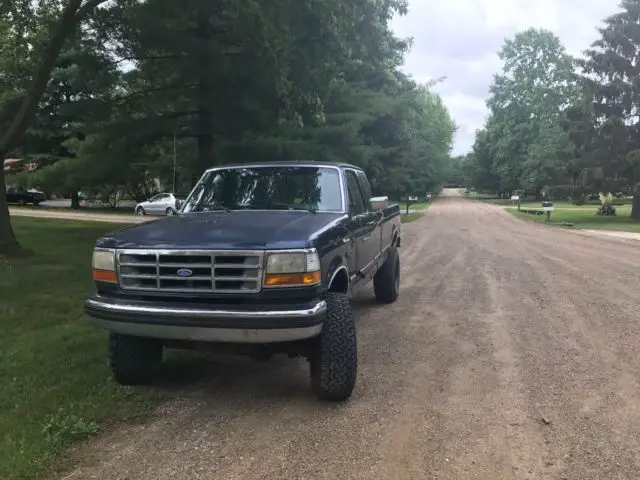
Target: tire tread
(334,359)
(384,280)
(134,360)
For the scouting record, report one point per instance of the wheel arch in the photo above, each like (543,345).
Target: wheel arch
(395,237)
(338,276)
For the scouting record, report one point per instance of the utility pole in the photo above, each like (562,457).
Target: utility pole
(174,163)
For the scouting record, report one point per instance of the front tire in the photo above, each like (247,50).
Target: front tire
(140,211)
(386,283)
(134,360)
(170,212)
(334,354)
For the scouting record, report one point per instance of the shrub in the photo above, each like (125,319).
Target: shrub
(606,207)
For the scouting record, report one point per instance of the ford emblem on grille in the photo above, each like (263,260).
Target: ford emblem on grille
(184,272)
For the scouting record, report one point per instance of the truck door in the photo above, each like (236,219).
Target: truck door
(373,224)
(357,217)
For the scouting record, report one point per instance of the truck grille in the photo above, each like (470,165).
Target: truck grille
(229,271)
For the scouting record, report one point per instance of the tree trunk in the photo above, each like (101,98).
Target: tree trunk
(635,206)
(8,243)
(19,123)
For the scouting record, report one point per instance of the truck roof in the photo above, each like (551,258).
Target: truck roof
(286,163)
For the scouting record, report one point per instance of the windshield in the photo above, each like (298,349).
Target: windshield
(267,188)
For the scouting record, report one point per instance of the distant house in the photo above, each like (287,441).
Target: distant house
(15,165)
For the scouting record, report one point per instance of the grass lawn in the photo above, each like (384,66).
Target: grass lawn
(411,217)
(584,217)
(55,385)
(413,206)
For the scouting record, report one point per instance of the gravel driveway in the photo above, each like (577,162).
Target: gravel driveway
(512,353)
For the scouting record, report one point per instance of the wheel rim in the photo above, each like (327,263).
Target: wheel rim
(170,212)
(140,211)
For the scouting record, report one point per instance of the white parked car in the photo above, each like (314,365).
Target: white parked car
(161,204)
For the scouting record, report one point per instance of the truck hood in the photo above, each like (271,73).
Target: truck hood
(235,230)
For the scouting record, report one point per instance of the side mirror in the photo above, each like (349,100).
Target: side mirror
(379,203)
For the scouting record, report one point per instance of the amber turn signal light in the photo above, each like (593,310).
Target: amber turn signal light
(107,276)
(303,279)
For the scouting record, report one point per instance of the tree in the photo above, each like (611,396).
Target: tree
(230,81)
(287,80)
(68,19)
(456,173)
(527,99)
(480,166)
(611,71)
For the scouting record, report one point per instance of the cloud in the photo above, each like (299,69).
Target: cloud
(460,39)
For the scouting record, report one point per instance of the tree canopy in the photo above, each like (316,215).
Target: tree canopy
(561,125)
(127,85)
(523,144)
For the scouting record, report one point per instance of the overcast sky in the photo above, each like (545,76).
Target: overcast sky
(460,39)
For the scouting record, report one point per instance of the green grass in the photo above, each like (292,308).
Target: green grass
(562,206)
(55,385)
(411,217)
(413,206)
(586,218)
(538,203)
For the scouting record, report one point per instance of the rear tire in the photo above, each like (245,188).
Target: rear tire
(134,360)
(386,283)
(334,354)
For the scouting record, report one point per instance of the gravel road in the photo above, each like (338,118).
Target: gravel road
(512,353)
(73,215)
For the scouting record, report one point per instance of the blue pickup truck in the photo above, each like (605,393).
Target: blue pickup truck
(261,259)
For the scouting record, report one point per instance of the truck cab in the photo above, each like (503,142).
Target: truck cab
(261,259)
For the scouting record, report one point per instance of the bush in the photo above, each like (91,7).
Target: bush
(606,209)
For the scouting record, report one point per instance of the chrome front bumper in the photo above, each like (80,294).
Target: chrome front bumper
(198,323)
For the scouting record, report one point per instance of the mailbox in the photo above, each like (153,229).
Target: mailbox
(547,206)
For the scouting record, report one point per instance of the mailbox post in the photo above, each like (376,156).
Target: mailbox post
(410,201)
(548,208)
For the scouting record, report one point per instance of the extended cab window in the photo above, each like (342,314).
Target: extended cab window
(366,188)
(268,188)
(356,205)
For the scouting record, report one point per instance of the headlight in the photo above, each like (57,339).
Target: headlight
(104,265)
(292,269)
